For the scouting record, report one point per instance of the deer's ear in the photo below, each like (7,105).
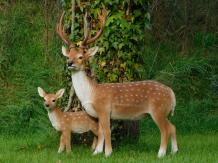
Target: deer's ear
(60,93)
(65,52)
(41,92)
(92,51)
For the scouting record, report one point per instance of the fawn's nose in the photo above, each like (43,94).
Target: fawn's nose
(47,105)
(69,63)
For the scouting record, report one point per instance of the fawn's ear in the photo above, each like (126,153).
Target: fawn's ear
(41,92)
(65,52)
(60,93)
(92,51)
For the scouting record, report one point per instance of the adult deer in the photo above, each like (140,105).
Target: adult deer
(132,100)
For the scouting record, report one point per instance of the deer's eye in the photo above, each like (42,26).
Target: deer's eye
(80,57)
(53,100)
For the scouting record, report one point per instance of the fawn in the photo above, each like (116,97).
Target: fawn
(131,100)
(67,122)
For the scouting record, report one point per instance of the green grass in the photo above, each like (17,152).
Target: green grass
(34,148)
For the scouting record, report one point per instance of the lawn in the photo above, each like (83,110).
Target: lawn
(34,148)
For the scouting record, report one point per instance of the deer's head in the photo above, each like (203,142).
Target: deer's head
(50,100)
(78,54)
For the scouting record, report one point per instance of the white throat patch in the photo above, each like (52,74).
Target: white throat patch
(54,120)
(84,91)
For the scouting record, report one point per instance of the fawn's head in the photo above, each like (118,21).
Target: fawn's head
(78,54)
(50,99)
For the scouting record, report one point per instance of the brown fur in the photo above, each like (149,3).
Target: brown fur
(67,122)
(119,100)
(129,101)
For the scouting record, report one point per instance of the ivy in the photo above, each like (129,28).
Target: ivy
(122,41)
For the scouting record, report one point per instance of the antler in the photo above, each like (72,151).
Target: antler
(86,31)
(102,18)
(61,33)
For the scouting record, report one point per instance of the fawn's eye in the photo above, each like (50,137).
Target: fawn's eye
(80,57)
(53,100)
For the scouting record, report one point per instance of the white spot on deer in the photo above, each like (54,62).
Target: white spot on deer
(65,115)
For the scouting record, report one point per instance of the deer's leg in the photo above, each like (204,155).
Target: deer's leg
(62,143)
(173,138)
(104,120)
(95,131)
(164,127)
(68,141)
(100,142)
(94,143)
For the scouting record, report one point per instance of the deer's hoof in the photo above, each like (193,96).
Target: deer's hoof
(161,153)
(60,150)
(174,151)
(108,153)
(95,152)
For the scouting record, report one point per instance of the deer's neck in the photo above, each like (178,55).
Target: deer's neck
(54,117)
(84,87)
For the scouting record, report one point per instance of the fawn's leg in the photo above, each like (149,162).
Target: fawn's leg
(62,143)
(68,141)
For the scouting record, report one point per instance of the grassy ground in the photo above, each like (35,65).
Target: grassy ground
(192,148)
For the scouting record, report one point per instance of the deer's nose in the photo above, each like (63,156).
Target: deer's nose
(47,105)
(69,63)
